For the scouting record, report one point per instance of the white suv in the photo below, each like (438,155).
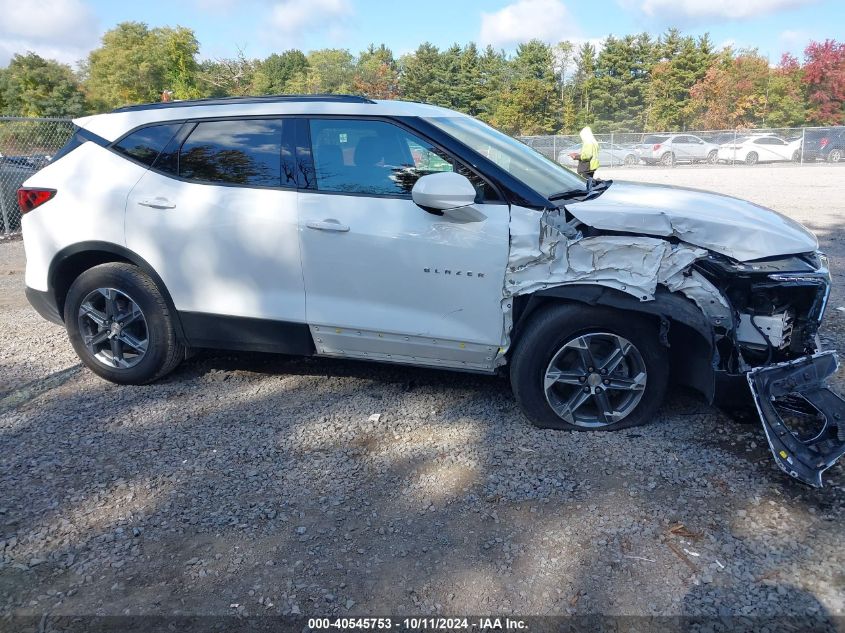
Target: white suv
(406,233)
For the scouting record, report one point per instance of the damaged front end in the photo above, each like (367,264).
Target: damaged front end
(778,305)
(712,267)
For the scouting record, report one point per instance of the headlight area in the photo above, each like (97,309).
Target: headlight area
(778,305)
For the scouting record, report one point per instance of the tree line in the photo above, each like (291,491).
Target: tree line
(631,83)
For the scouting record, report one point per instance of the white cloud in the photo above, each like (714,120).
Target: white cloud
(794,41)
(58,29)
(547,20)
(293,18)
(701,10)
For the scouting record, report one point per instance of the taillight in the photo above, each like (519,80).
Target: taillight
(655,147)
(823,142)
(29,199)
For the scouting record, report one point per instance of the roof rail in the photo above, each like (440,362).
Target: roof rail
(243,100)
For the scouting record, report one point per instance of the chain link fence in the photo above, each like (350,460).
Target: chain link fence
(800,146)
(26,145)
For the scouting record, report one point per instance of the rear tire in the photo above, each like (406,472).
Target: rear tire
(713,157)
(630,159)
(548,369)
(120,326)
(835,155)
(668,159)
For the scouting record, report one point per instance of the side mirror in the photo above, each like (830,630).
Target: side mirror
(442,191)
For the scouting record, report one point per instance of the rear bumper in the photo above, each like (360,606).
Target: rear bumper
(45,304)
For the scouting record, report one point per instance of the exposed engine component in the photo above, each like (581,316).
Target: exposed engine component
(760,331)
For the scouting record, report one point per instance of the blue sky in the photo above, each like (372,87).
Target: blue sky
(68,29)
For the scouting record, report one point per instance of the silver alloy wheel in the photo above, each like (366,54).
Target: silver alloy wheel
(113,328)
(595,380)
(835,155)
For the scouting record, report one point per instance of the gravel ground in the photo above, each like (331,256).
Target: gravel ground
(256,484)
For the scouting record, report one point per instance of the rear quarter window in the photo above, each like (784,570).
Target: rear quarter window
(144,145)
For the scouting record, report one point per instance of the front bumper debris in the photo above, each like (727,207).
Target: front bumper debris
(796,390)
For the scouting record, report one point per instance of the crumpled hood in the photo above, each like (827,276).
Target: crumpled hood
(730,226)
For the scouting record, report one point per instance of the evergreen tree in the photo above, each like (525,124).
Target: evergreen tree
(623,69)
(419,76)
(684,62)
(492,71)
(585,79)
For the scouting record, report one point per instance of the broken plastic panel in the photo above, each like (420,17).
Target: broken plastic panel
(803,418)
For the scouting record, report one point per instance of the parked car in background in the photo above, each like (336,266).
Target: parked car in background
(759,148)
(668,149)
(824,144)
(609,155)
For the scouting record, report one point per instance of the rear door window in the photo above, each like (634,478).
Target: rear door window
(144,145)
(246,152)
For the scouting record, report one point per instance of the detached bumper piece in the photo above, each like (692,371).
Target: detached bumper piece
(803,418)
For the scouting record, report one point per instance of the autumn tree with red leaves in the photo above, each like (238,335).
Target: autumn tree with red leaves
(824,75)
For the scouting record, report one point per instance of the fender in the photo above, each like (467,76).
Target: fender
(99,253)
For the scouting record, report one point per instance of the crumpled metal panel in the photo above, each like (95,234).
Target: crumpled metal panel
(730,226)
(545,252)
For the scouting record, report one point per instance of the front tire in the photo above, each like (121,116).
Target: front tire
(713,157)
(120,326)
(582,368)
(751,158)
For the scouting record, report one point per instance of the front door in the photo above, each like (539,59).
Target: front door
(385,279)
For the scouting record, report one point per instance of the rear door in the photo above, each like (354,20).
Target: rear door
(216,217)
(384,278)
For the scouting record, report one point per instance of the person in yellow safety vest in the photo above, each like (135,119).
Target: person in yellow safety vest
(588,157)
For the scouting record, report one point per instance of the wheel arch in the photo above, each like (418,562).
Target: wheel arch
(682,327)
(72,261)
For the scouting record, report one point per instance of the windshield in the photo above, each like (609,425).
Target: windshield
(544,176)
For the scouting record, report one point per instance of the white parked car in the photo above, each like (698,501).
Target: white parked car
(759,148)
(669,149)
(404,233)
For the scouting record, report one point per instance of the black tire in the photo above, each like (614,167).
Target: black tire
(751,158)
(834,155)
(713,156)
(163,351)
(668,159)
(630,159)
(550,329)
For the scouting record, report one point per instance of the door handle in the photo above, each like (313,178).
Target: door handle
(328,225)
(157,203)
